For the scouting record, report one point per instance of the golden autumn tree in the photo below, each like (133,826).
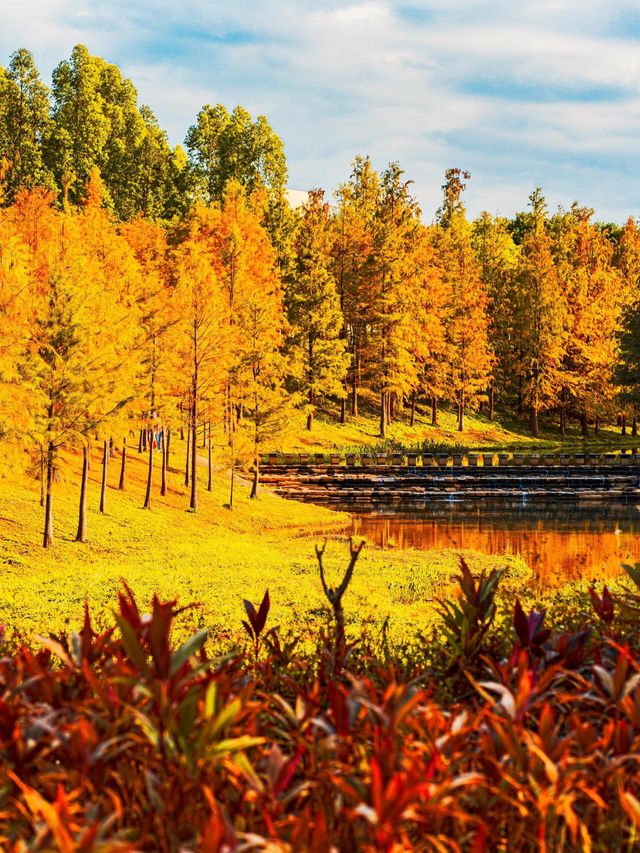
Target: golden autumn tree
(497,254)
(595,294)
(115,274)
(262,365)
(429,334)
(248,371)
(396,235)
(238,247)
(353,267)
(157,343)
(247,265)
(541,316)
(469,356)
(627,363)
(17,313)
(315,342)
(78,339)
(199,299)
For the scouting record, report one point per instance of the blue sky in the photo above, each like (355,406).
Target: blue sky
(543,92)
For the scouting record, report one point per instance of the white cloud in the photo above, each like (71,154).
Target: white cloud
(539,92)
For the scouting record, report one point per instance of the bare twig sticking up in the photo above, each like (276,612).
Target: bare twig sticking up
(334,595)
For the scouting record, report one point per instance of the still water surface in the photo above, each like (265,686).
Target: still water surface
(559,542)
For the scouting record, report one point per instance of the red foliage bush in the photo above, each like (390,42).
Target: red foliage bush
(120,741)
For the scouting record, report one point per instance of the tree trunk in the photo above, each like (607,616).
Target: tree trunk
(147,495)
(47,540)
(312,401)
(186,464)
(520,400)
(354,386)
(193,503)
(181,433)
(103,487)
(623,425)
(233,469)
(140,442)
(434,411)
(165,462)
(256,477)
(112,450)
(412,419)
(168,443)
(145,435)
(584,423)
(534,426)
(383,414)
(492,395)
(563,413)
(81,535)
(461,414)
(210,479)
(123,466)
(634,426)
(42,471)
(597,425)
(343,411)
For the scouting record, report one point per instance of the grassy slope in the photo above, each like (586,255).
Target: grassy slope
(479,433)
(216,557)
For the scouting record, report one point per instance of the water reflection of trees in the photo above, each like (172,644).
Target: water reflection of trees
(560,542)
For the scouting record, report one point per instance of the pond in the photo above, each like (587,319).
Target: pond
(559,542)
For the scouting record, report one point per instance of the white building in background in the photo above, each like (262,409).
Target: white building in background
(296,198)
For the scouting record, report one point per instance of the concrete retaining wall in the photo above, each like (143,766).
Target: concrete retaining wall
(372,485)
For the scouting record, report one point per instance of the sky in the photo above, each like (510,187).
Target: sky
(521,94)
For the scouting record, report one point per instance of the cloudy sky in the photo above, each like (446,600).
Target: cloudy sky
(537,92)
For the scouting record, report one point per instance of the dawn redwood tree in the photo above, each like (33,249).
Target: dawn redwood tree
(246,267)
(497,254)
(469,356)
(396,235)
(353,257)
(541,316)
(267,403)
(79,334)
(428,339)
(18,310)
(200,302)
(157,338)
(595,294)
(252,302)
(627,365)
(315,344)
(118,275)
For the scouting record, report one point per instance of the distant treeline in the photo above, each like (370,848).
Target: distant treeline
(145,283)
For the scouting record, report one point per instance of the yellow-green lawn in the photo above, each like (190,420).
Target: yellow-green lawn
(215,556)
(502,433)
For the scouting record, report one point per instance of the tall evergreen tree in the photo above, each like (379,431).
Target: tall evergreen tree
(227,147)
(317,350)
(396,233)
(469,356)
(353,267)
(24,124)
(541,316)
(498,258)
